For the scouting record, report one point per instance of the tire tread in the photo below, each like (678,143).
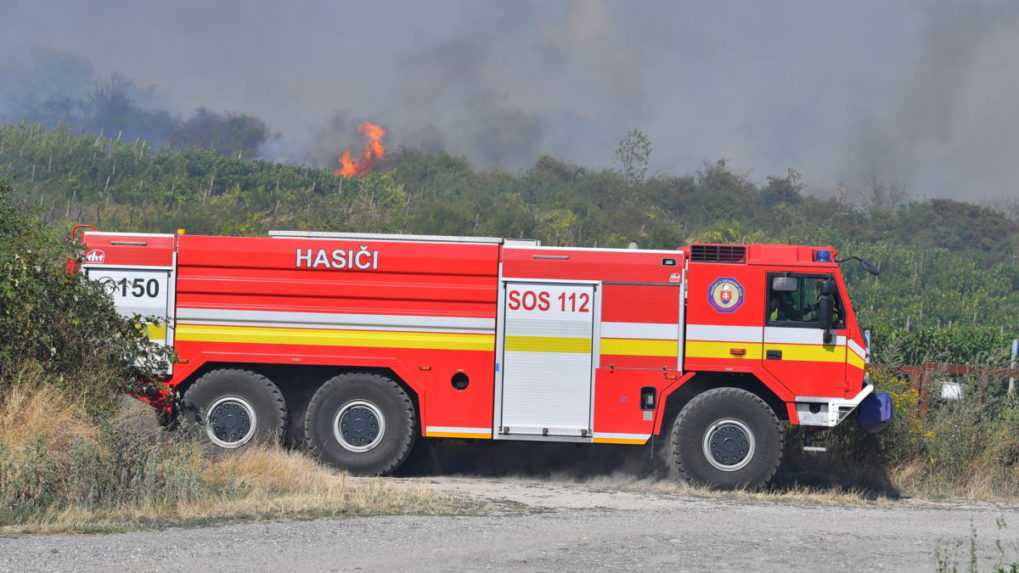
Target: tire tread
(698,402)
(408,410)
(278,402)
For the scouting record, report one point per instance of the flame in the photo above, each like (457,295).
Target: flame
(372,152)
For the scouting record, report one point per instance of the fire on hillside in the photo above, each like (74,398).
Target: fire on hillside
(372,152)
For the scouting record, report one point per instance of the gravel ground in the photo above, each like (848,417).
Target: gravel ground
(535,525)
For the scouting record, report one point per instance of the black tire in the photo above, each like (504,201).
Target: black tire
(344,428)
(726,438)
(236,408)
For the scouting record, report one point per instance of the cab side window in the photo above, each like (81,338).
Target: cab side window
(799,307)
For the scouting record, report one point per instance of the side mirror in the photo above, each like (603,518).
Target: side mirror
(784,284)
(826,311)
(865,265)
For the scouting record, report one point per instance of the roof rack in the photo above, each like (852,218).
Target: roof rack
(398,237)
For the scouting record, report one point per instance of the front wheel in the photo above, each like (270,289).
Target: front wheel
(726,438)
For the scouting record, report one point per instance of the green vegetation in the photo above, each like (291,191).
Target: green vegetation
(947,292)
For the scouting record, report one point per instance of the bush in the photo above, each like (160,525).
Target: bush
(64,323)
(967,447)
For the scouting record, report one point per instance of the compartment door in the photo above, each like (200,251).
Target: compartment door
(140,291)
(549,338)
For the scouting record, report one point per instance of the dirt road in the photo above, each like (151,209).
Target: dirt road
(549,525)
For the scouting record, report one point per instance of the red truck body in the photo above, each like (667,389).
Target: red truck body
(497,339)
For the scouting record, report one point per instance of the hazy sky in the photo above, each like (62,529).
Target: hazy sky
(921,93)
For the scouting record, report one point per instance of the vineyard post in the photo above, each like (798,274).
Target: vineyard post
(1011,367)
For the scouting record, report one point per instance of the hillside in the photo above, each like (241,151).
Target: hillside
(950,271)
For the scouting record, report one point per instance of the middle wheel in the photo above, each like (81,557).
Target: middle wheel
(360,422)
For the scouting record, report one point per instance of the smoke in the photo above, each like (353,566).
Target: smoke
(955,126)
(917,95)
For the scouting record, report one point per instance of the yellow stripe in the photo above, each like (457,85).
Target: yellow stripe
(630,441)
(790,352)
(156,331)
(809,352)
(322,337)
(637,347)
(854,359)
(458,435)
(710,349)
(548,344)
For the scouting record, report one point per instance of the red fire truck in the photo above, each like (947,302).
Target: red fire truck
(356,345)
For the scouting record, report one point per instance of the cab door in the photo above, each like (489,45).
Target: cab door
(548,339)
(794,350)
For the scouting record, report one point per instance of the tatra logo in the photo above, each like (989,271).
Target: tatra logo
(725,295)
(338,259)
(95,256)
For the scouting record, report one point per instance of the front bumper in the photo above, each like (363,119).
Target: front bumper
(826,412)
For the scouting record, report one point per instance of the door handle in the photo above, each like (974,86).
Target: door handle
(774,354)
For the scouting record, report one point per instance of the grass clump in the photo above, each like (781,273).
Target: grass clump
(62,470)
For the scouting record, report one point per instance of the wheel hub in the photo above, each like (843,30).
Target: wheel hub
(729,445)
(359,426)
(230,422)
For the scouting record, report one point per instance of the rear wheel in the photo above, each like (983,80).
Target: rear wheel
(360,422)
(726,438)
(236,408)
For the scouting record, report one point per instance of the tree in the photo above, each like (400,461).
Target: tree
(230,134)
(783,189)
(634,152)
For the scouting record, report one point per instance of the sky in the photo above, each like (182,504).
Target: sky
(924,95)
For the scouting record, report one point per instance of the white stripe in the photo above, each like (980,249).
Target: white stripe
(122,234)
(318,319)
(858,350)
(787,335)
(724,333)
(457,430)
(381,237)
(548,327)
(646,330)
(125,266)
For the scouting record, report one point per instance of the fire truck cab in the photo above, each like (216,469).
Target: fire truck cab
(356,345)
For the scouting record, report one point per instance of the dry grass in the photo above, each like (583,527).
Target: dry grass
(312,492)
(25,413)
(62,472)
(981,483)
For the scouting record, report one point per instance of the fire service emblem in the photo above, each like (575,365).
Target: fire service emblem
(97,256)
(725,295)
